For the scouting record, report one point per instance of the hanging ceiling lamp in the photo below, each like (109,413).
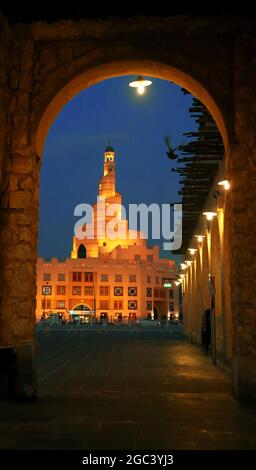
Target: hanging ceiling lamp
(140,83)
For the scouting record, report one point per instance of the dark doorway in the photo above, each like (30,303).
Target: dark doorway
(206,330)
(81,252)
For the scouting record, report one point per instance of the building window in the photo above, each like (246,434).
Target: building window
(88,277)
(118,278)
(171,306)
(47,277)
(132,291)
(118,316)
(46,304)
(132,304)
(132,278)
(162,292)
(47,290)
(103,290)
(137,257)
(76,290)
(61,277)
(104,277)
(118,305)
(103,305)
(149,305)
(156,293)
(159,292)
(149,292)
(171,294)
(77,276)
(149,257)
(132,316)
(88,290)
(118,291)
(157,279)
(60,304)
(61,290)
(148,279)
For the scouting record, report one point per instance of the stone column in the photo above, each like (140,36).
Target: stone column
(242,207)
(189,301)
(193,300)
(185,305)
(18,231)
(199,296)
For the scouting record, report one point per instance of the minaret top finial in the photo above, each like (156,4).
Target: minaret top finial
(109,148)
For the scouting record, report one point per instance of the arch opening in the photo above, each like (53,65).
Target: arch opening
(81,253)
(105,71)
(155,70)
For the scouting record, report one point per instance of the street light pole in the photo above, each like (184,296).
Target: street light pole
(44,301)
(94,298)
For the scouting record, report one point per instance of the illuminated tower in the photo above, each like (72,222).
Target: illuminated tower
(107,185)
(100,243)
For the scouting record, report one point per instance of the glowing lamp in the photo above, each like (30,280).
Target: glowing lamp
(183,266)
(140,83)
(209,215)
(192,251)
(225,184)
(189,262)
(167,284)
(200,238)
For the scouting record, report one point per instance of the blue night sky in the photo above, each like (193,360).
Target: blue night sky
(109,112)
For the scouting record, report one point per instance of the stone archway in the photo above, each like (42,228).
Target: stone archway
(49,108)
(82,307)
(45,65)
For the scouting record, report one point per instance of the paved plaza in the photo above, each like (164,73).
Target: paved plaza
(121,388)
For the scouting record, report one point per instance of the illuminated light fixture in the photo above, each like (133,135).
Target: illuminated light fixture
(183,266)
(192,251)
(225,184)
(209,215)
(177,283)
(140,83)
(189,262)
(182,276)
(200,238)
(167,284)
